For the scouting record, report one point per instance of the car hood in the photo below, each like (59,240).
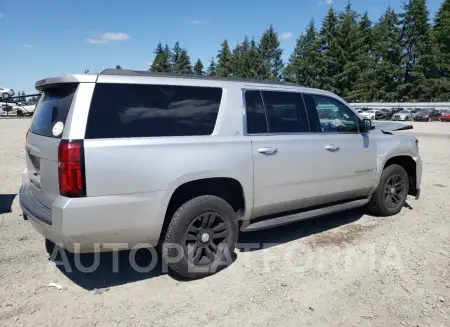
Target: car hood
(390,127)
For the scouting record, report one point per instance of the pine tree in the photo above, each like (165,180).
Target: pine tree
(174,57)
(183,65)
(269,46)
(224,63)
(348,49)
(365,87)
(388,51)
(118,67)
(212,70)
(420,54)
(198,68)
(329,66)
(302,67)
(441,33)
(161,62)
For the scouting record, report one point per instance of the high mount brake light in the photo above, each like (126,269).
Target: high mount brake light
(71,173)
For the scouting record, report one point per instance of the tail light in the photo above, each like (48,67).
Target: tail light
(72,180)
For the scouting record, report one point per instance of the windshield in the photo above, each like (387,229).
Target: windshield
(404,112)
(371,111)
(424,112)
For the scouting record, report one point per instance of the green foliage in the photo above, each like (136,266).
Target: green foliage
(118,67)
(161,62)
(269,46)
(399,57)
(198,68)
(225,61)
(212,69)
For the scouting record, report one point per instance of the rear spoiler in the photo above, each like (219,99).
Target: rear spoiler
(391,127)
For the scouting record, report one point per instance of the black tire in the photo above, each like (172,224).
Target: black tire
(19,113)
(5,95)
(186,232)
(390,178)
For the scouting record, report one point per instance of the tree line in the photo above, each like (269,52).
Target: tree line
(403,56)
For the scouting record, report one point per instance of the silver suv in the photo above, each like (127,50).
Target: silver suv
(125,159)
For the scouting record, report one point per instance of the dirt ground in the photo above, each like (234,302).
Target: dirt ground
(349,269)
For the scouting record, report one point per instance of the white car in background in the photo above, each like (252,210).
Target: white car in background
(6,93)
(24,110)
(403,115)
(369,114)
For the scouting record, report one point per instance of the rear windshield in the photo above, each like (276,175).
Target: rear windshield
(130,110)
(50,116)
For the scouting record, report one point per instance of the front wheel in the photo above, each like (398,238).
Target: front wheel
(390,196)
(201,237)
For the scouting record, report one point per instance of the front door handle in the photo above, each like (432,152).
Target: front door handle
(332,147)
(268,150)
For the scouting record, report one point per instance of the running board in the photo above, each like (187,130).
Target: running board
(283,220)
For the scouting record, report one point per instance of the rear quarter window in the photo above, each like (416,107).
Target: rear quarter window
(129,110)
(54,108)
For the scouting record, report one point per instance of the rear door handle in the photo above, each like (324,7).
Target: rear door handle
(332,147)
(268,150)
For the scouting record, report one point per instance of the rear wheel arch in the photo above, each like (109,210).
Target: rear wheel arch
(226,188)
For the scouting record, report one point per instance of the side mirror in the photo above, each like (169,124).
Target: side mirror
(367,125)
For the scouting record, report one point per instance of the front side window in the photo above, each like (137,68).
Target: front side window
(285,112)
(130,110)
(333,115)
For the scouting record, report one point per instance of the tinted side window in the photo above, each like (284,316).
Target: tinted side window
(128,110)
(333,115)
(256,115)
(285,112)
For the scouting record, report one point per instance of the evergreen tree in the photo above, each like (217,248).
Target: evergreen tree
(224,63)
(269,46)
(365,86)
(442,35)
(212,70)
(388,52)
(24,98)
(420,54)
(198,68)
(175,57)
(301,67)
(254,61)
(118,67)
(348,50)
(183,65)
(329,66)
(161,62)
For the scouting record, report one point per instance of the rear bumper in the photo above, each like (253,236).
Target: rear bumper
(103,223)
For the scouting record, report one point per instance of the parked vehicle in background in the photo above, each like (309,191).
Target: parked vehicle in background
(6,93)
(414,111)
(24,110)
(427,115)
(379,115)
(402,115)
(388,113)
(369,114)
(445,116)
(141,159)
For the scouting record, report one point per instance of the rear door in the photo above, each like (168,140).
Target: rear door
(43,140)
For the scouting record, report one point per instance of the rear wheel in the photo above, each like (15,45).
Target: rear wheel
(390,196)
(201,237)
(5,95)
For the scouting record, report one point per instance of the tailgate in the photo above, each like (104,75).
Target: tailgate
(43,140)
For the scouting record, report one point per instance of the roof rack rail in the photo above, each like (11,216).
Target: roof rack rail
(128,72)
